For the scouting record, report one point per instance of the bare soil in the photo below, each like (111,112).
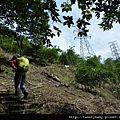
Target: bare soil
(52,90)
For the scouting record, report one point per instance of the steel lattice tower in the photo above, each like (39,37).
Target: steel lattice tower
(85,47)
(115,50)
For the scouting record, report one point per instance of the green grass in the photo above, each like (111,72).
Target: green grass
(50,99)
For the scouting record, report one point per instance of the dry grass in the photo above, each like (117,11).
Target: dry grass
(47,96)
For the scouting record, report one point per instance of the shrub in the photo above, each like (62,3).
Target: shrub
(94,75)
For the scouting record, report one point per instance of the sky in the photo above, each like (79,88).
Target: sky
(99,40)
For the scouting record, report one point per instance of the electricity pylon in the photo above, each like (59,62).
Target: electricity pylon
(115,49)
(85,47)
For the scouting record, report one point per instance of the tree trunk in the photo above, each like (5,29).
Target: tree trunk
(19,41)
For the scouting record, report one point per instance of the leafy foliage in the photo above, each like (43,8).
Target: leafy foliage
(117,91)
(90,72)
(63,58)
(30,19)
(109,10)
(49,55)
(43,55)
(69,57)
(8,44)
(93,74)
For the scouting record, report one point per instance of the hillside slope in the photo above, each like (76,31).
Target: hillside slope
(51,91)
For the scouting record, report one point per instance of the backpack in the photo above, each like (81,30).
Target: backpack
(23,64)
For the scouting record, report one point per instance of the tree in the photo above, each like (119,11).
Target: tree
(110,10)
(32,17)
(48,55)
(29,18)
(94,61)
(70,58)
(63,58)
(94,74)
(109,64)
(73,59)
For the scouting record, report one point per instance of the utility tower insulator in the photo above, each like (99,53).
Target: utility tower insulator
(115,50)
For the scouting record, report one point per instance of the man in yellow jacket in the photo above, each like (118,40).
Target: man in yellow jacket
(19,79)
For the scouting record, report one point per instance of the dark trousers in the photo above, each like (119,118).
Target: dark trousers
(20,78)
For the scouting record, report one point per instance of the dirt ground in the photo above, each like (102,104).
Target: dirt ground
(52,91)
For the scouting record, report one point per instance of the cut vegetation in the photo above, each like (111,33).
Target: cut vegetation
(53,90)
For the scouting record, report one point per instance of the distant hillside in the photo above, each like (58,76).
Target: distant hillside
(52,90)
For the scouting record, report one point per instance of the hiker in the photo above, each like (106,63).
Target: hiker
(20,76)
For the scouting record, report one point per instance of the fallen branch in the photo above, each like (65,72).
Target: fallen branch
(51,76)
(56,79)
(33,84)
(36,87)
(65,85)
(29,82)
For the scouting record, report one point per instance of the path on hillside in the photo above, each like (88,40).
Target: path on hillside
(52,94)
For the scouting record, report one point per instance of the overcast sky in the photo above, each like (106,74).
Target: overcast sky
(99,39)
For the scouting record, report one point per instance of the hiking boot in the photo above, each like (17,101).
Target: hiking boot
(25,95)
(18,98)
